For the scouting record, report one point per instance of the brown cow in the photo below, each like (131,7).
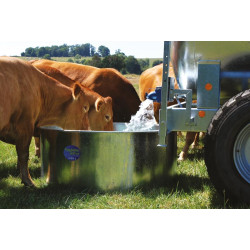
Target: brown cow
(99,118)
(106,82)
(30,99)
(149,80)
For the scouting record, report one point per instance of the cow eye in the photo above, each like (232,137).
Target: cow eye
(107,118)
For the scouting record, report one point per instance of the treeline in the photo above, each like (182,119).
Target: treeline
(100,58)
(60,51)
(121,62)
(124,64)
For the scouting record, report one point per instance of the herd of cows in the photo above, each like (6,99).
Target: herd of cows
(71,96)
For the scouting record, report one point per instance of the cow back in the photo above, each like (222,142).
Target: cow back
(106,82)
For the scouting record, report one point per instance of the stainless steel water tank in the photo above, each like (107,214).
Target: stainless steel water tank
(234,56)
(106,160)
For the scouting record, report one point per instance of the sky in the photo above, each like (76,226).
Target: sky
(136,27)
(48,23)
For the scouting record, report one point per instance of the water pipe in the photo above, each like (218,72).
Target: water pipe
(155,96)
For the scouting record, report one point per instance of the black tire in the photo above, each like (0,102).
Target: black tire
(232,118)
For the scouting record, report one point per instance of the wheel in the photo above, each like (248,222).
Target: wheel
(227,148)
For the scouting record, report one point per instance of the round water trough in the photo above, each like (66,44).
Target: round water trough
(106,160)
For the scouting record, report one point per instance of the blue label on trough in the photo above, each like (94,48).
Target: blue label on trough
(72,153)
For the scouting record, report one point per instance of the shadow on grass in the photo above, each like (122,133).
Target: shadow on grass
(197,155)
(7,169)
(56,196)
(185,184)
(60,196)
(45,197)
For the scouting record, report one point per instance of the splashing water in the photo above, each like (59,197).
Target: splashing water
(144,119)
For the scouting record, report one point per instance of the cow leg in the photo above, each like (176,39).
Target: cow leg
(197,139)
(190,136)
(195,144)
(37,146)
(22,149)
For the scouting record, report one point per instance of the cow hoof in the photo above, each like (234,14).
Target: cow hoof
(181,157)
(28,183)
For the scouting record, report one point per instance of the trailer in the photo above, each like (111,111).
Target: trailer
(216,75)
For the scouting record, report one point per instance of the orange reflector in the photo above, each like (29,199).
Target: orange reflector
(202,113)
(208,86)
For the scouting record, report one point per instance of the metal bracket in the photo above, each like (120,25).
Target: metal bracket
(188,103)
(164,95)
(188,116)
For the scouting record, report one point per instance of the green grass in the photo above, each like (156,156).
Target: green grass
(189,188)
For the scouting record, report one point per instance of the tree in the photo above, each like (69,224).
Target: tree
(77,56)
(144,63)
(63,50)
(114,61)
(30,52)
(92,50)
(41,52)
(85,49)
(96,61)
(103,51)
(156,62)
(82,49)
(54,50)
(47,56)
(118,52)
(132,65)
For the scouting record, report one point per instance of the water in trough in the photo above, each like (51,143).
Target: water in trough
(144,119)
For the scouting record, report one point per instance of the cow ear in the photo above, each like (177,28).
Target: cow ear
(109,99)
(98,104)
(76,91)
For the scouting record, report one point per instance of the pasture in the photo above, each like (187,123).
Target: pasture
(189,188)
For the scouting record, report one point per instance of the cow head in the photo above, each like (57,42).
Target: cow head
(77,110)
(101,116)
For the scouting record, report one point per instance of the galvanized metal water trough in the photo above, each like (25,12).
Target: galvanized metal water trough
(106,160)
